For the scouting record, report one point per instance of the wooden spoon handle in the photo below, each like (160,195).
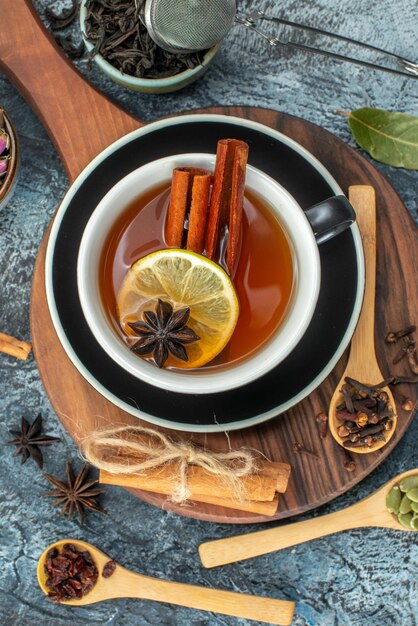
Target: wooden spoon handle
(214,600)
(80,120)
(230,550)
(362,353)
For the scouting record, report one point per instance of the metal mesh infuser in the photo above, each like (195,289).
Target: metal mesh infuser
(190,25)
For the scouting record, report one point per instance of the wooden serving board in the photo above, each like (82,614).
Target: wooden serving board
(83,126)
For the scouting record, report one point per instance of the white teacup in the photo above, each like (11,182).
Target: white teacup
(325,220)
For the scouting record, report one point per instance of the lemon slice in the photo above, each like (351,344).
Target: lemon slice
(184,279)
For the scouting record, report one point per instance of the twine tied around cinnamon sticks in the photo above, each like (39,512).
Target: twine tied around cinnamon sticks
(137,450)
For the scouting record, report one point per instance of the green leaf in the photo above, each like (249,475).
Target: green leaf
(388,137)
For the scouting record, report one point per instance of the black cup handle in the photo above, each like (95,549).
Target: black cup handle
(330,217)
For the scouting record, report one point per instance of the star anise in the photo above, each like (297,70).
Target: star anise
(75,494)
(164,333)
(29,438)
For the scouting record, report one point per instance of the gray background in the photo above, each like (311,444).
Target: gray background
(352,579)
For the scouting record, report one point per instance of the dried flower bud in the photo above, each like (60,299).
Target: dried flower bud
(393,336)
(4,141)
(343,431)
(3,165)
(362,419)
(322,419)
(374,418)
(413,365)
(407,405)
(350,465)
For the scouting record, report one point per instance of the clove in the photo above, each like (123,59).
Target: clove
(372,430)
(407,380)
(349,463)
(408,348)
(322,420)
(404,402)
(361,388)
(347,398)
(411,353)
(362,419)
(353,444)
(402,352)
(393,336)
(344,415)
(300,448)
(343,431)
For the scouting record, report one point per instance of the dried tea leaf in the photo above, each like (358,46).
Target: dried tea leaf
(390,138)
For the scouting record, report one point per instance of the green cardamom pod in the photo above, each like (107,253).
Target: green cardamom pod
(405,505)
(406,520)
(413,494)
(411,482)
(393,500)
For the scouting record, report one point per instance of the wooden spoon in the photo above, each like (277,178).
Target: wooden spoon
(370,512)
(362,363)
(126,584)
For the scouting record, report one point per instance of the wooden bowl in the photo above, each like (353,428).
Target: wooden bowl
(9,179)
(147,85)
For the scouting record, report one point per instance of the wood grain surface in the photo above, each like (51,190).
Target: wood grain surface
(80,120)
(81,128)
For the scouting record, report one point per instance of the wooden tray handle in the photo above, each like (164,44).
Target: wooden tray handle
(71,109)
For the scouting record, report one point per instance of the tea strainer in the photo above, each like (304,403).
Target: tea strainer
(191,25)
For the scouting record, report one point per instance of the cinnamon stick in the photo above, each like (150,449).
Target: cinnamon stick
(251,506)
(262,486)
(198,212)
(190,189)
(177,209)
(226,205)
(268,507)
(13,347)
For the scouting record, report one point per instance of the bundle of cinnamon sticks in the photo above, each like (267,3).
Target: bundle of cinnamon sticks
(261,489)
(207,221)
(144,458)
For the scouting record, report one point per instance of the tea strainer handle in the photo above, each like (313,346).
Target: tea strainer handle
(251,21)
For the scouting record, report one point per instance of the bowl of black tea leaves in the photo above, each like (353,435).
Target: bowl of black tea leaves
(119,43)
